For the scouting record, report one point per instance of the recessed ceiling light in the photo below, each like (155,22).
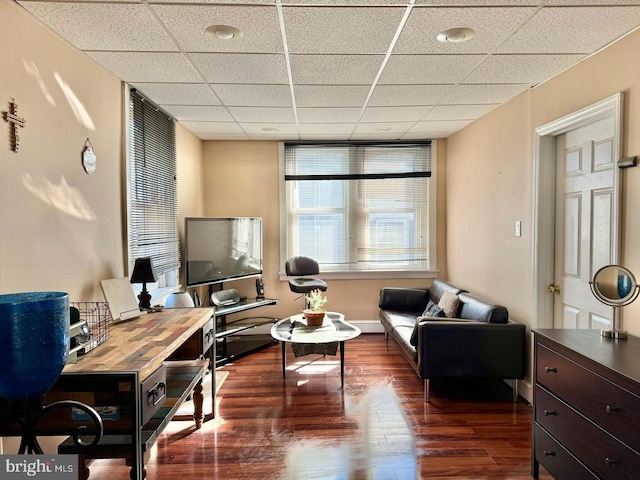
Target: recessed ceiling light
(224,32)
(270,129)
(456,35)
(385,129)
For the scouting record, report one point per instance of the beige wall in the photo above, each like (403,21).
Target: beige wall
(61,228)
(490,183)
(242,179)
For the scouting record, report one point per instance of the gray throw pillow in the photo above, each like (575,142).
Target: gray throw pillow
(430,304)
(434,312)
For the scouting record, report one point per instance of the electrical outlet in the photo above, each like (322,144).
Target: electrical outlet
(518,228)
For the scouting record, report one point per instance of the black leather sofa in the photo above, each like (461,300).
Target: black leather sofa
(479,341)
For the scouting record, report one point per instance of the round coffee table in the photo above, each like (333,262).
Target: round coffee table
(283,332)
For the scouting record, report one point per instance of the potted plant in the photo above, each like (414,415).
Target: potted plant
(315,313)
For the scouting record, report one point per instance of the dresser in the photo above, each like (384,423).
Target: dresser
(586,405)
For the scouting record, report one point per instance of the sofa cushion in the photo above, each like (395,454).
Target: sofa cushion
(438,287)
(403,299)
(473,308)
(449,303)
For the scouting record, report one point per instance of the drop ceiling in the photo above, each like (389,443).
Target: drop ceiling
(334,70)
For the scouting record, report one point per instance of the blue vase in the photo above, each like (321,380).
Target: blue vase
(34,342)
(624,285)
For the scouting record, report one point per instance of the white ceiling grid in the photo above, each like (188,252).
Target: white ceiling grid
(334,69)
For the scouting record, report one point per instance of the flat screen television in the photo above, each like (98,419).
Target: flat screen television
(222,249)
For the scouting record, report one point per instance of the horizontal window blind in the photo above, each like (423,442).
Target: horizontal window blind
(359,206)
(153,202)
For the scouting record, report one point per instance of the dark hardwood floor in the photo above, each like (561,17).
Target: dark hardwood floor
(267,424)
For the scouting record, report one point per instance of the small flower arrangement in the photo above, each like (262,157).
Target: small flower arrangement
(316,300)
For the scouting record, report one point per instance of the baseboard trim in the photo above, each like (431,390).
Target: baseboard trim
(368,326)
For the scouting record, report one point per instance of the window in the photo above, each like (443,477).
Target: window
(359,207)
(153,204)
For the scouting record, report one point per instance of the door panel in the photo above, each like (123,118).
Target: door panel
(584,209)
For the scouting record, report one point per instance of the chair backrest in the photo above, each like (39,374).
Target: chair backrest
(301,266)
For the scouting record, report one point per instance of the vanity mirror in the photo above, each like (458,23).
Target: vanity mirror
(616,286)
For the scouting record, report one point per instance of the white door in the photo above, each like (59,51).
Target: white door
(585,197)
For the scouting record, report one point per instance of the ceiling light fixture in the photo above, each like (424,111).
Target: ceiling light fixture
(224,32)
(456,35)
(270,129)
(382,129)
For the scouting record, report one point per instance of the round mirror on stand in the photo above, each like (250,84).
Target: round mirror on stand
(615,286)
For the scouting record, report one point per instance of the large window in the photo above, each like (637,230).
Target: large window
(152,205)
(359,207)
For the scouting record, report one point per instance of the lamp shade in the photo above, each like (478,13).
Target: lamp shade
(179,300)
(34,342)
(143,271)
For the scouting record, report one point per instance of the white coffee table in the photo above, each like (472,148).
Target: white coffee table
(283,330)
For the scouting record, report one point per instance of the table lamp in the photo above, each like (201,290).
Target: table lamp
(143,272)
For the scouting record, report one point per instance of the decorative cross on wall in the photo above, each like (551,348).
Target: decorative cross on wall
(12,117)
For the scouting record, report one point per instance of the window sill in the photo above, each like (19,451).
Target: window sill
(377,275)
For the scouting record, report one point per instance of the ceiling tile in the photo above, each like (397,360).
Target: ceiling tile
(483,93)
(572,30)
(335,69)
(340,29)
(441,128)
(458,112)
(254,95)
(394,95)
(532,69)
(185,113)
(394,114)
(262,114)
(326,128)
(326,115)
(344,2)
(259,129)
(178,93)
(188,23)
(242,68)
(331,95)
(212,127)
(129,26)
(223,136)
(147,67)
(423,69)
(383,128)
(424,25)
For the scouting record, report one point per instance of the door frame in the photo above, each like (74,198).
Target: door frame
(544,194)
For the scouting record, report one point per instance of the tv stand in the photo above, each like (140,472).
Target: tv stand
(234,338)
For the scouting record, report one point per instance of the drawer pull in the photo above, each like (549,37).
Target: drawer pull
(610,409)
(550,412)
(609,462)
(551,369)
(551,454)
(154,394)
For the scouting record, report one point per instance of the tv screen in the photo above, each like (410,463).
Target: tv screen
(221,249)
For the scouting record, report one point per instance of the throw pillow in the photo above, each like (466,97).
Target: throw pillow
(434,313)
(427,308)
(449,303)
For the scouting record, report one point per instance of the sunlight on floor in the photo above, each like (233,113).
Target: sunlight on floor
(315,367)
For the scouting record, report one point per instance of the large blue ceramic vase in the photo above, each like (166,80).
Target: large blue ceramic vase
(34,342)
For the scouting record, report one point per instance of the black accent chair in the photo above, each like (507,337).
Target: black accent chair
(303,268)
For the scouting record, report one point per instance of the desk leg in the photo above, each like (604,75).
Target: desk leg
(341,364)
(198,399)
(284,359)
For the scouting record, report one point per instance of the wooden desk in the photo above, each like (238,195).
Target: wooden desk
(145,370)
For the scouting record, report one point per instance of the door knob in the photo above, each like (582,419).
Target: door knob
(553,288)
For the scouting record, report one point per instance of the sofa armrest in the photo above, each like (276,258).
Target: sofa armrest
(459,349)
(404,299)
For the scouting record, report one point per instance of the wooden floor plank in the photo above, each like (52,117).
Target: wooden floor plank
(470,430)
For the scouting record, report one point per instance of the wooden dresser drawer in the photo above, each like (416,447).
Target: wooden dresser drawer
(601,452)
(153,391)
(608,405)
(556,459)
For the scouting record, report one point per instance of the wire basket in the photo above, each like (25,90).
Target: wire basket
(98,318)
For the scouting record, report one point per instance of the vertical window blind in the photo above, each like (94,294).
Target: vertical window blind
(153,203)
(362,207)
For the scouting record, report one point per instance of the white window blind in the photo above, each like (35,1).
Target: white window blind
(359,207)
(153,203)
